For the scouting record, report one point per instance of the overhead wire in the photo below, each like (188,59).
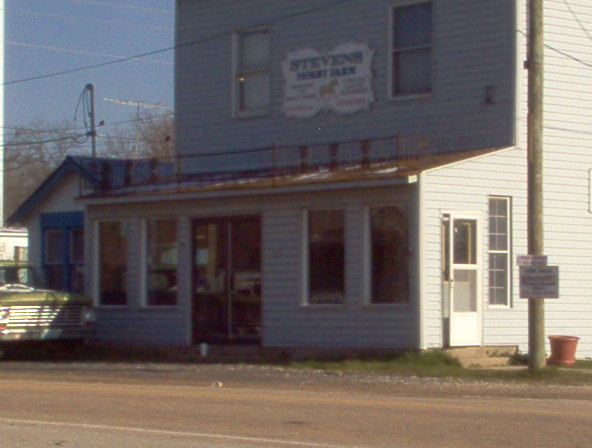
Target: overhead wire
(23,11)
(577,19)
(278,19)
(119,6)
(83,52)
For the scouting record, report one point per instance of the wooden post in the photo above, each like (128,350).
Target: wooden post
(536,307)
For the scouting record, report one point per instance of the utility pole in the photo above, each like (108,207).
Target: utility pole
(2,44)
(91,115)
(536,307)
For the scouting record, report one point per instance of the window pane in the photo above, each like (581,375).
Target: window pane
(412,72)
(465,291)
(498,278)
(390,255)
(413,25)
(254,91)
(498,224)
(161,253)
(465,241)
(54,246)
(326,240)
(112,263)
(255,50)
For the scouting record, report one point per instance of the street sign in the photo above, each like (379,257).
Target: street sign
(539,282)
(531,260)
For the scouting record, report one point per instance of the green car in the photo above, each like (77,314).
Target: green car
(29,312)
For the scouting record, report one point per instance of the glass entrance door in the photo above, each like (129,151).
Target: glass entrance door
(227,280)
(461,274)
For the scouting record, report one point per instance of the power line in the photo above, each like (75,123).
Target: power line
(89,53)
(85,19)
(78,128)
(278,19)
(561,52)
(120,6)
(50,140)
(577,19)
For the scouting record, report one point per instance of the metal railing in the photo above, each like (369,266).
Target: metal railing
(106,175)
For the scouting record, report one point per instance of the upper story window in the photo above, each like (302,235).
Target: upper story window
(252,72)
(411,44)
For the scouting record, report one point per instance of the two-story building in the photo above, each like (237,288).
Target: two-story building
(350,174)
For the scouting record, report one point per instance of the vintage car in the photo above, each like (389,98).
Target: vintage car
(29,312)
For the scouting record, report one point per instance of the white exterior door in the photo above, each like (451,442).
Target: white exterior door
(462,279)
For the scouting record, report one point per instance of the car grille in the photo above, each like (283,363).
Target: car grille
(45,316)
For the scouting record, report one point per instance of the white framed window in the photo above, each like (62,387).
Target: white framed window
(111,263)
(161,260)
(500,251)
(411,49)
(252,72)
(325,257)
(387,255)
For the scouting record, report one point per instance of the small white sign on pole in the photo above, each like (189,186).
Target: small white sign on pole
(531,260)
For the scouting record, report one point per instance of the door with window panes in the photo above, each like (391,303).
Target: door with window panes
(64,258)
(461,280)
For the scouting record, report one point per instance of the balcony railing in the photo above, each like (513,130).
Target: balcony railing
(104,175)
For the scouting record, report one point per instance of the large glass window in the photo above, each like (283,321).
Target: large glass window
(252,71)
(411,69)
(161,262)
(112,252)
(499,251)
(326,257)
(389,263)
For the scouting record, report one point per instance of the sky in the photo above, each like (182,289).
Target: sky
(48,36)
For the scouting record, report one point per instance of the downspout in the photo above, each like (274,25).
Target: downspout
(420,270)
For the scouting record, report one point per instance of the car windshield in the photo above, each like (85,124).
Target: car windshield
(23,275)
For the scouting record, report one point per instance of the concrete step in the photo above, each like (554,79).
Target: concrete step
(490,356)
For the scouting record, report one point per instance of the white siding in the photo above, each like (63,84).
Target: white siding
(466,187)
(568,159)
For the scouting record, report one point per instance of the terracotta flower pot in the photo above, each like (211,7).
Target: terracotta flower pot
(563,350)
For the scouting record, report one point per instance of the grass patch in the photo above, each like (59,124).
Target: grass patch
(429,363)
(438,363)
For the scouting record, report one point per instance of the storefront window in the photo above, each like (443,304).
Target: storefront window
(112,250)
(326,257)
(161,262)
(389,235)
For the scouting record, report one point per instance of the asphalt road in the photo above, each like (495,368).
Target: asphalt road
(164,405)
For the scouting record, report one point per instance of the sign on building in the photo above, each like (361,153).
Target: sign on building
(539,282)
(339,80)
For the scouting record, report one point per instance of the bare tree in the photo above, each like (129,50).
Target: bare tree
(32,152)
(150,136)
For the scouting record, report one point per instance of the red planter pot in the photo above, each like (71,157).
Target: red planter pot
(563,350)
